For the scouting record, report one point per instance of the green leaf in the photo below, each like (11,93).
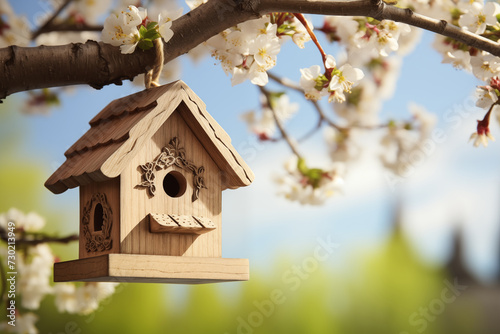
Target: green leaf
(151,34)
(151,25)
(142,31)
(320,82)
(301,166)
(145,44)
(284,28)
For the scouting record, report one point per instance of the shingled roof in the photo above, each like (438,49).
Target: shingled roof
(121,129)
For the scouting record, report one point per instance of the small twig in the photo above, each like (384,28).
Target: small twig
(303,20)
(285,82)
(322,117)
(51,19)
(283,132)
(290,84)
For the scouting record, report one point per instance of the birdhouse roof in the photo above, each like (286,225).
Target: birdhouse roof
(122,128)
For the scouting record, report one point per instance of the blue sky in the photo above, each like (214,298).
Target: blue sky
(455,185)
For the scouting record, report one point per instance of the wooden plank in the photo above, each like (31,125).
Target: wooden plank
(163,223)
(152,269)
(205,222)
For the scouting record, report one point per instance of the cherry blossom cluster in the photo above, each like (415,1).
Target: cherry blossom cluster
(334,82)
(367,38)
(264,125)
(132,28)
(367,43)
(404,142)
(311,186)
(34,273)
(479,17)
(248,50)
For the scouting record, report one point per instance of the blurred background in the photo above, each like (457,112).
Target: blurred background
(418,254)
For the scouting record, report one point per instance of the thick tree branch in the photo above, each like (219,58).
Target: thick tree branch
(98,64)
(380,11)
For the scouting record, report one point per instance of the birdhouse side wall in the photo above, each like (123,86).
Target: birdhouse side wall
(99,218)
(173,155)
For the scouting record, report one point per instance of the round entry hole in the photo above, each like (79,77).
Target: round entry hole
(174,184)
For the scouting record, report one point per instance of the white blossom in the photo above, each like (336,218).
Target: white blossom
(299,33)
(14,31)
(345,78)
(341,27)
(265,125)
(265,50)
(247,51)
(485,66)
(309,82)
(481,138)
(34,276)
(486,96)
(478,16)
(362,106)
(165,19)
(295,187)
(459,59)
(342,147)
(121,29)
(384,42)
(402,142)
(195,3)
(65,297)
(31,222)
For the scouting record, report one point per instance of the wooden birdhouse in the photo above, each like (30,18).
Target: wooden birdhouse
(151,172)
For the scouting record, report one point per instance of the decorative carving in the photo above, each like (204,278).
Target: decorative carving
(97,241)
(172,154)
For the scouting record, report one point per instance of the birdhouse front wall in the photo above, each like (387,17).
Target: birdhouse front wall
(99,218)
(171,178)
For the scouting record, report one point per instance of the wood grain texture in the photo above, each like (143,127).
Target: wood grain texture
(120,131)
(136,237)
(152,269)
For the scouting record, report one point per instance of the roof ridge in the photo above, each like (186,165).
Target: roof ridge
(118,132)
(218,138)
(125,112)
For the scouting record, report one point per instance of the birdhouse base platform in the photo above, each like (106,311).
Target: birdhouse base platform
(152,269)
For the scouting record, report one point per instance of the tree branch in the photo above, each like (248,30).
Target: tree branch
(33,240)
(280,126)
(43,28)
(99,64)
(67,27)
(381,11)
